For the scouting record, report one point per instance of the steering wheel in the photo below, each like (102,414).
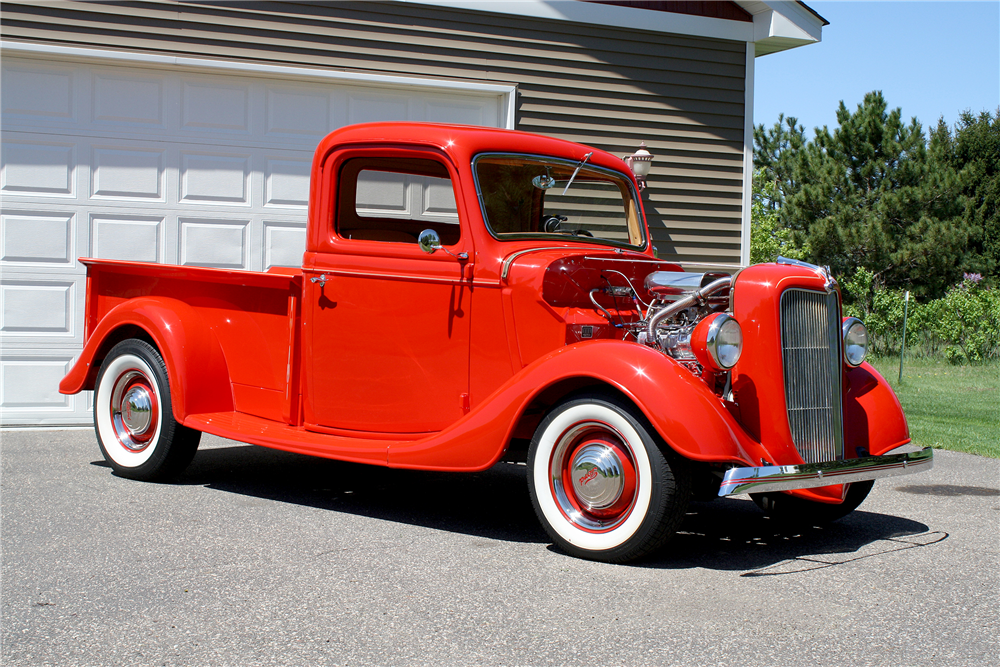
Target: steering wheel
(552,223)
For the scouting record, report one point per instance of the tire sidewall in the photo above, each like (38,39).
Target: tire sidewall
(630,533)
(126,356)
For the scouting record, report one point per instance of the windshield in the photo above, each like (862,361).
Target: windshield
(526,196)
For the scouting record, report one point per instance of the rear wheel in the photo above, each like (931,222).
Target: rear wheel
(135,425)
(800,512)
(601,486)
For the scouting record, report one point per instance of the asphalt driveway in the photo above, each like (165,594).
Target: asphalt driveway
(258,557)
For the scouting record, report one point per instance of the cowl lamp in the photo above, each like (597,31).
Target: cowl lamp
(640,162)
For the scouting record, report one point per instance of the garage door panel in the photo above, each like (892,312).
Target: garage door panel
(38,94)
(209,106)
(128,173)
(215,178)
(37,306)
(284,243)
(128,237)
(214,242)
(123,98)
(38,167)
(459,111)
(370,108)
(302,112)
(30,381)
(37,237)
(286,181)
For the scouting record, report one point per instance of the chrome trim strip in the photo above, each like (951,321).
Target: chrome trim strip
(822,271)
(807,476)
(667,261)
(514,255)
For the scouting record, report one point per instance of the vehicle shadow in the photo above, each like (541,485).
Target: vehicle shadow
(725,534)
(492,504)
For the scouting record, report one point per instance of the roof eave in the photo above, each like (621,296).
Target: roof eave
(780,25)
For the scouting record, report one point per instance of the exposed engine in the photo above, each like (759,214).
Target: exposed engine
(685,317)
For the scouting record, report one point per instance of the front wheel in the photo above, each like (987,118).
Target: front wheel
(135,425)
(800,512)
(600,485)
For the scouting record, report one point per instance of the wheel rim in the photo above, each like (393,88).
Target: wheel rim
(134,410)
(593,476)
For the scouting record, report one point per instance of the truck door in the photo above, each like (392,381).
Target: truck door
(387,324)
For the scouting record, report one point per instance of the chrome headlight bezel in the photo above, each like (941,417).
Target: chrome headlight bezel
(722,342)
(855,338)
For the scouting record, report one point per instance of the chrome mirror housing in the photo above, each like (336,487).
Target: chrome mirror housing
(429,241)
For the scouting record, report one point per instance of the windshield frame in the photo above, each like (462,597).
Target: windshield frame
(552,236)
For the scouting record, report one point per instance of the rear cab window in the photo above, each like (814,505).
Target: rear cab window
(392,200)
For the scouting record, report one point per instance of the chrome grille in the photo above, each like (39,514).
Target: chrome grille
(810,350)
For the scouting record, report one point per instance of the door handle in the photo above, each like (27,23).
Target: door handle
(320,280)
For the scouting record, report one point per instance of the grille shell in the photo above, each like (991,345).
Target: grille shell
(811,359)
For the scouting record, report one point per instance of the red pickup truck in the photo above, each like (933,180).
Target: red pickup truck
(471,295)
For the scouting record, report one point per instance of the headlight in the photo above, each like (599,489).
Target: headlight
(717,341)
(855,341)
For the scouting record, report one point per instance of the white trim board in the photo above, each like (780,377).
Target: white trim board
(747,156)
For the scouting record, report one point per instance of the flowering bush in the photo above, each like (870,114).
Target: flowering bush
(964,326)
(967,319)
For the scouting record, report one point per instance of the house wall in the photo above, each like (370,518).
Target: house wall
(607,87)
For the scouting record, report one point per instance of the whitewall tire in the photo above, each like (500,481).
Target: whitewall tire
(135,425)
(600,483)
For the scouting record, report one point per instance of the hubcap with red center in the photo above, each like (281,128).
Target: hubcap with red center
(593,476)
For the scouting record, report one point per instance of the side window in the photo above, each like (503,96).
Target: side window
(393,200)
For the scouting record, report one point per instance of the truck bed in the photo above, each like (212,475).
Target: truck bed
(253,315)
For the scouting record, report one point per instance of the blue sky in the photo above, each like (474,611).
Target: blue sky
(929,58)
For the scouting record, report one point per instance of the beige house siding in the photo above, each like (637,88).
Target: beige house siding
(607,87)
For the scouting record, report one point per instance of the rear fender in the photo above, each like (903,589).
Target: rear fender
(196,365)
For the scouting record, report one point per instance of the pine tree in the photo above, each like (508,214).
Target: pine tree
(974,151)
(774,153)
(867,195)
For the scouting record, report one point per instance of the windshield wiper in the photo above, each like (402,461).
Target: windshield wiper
(577,170)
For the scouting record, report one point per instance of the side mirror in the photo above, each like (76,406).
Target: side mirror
(429,241)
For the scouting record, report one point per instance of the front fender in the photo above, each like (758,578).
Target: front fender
(196,365)
(873,418)
(688,416)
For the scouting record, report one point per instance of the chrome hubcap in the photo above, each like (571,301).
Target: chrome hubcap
(134,410)
(137,410)
(597,476)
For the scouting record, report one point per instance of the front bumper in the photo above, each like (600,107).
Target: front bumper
(809,475)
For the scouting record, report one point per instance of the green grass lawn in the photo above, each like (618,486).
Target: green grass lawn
(951,407)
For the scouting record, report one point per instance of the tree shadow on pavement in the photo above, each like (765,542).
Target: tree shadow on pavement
(733,534)
(725,534)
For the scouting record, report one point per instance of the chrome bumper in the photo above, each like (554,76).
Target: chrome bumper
(809,475)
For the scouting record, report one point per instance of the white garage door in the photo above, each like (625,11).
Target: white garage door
(195,166)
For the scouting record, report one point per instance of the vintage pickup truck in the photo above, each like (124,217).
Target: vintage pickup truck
(469,296)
